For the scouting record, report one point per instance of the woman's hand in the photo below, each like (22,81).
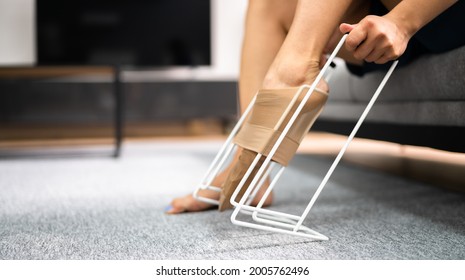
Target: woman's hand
(375,39)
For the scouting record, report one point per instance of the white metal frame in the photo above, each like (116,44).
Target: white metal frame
(266,219)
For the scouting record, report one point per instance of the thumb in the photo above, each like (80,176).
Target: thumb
(345,27)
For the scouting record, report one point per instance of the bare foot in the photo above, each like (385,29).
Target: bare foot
(189,204)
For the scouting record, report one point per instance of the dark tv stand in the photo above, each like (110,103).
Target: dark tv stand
(41,72)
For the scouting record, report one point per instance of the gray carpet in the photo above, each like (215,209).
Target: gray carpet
(63,207)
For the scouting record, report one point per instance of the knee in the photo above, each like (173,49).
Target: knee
(282,12)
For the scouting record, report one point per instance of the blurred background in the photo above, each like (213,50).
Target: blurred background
(110,109)
(174,64)
(101,72)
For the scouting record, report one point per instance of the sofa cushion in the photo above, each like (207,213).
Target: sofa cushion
(429,91)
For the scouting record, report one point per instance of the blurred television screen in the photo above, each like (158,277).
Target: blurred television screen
(152,33)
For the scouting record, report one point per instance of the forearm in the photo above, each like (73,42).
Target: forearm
(412,15)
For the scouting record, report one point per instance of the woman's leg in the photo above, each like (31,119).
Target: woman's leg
(278,55)
(297,63)
(315,22)
(266,26)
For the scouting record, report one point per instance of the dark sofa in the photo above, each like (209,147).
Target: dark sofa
(422,104)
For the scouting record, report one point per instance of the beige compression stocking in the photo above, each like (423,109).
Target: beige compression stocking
(235,176)
(262,129)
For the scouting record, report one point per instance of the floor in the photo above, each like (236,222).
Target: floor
(57,204)
(440,168)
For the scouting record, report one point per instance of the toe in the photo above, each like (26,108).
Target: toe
(173,210)
(186,204)
(176,207)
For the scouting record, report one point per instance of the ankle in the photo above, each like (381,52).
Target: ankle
(291,74)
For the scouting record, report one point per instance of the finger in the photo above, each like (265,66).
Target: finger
(393,53)
(383,59)
(373,47)
(346,28)
(388,55)
(375,55)
(355,38)
(363,50)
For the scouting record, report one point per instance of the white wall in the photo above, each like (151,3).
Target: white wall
(17,46)
(227,30)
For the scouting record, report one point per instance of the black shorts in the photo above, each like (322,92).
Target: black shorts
(446,32)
